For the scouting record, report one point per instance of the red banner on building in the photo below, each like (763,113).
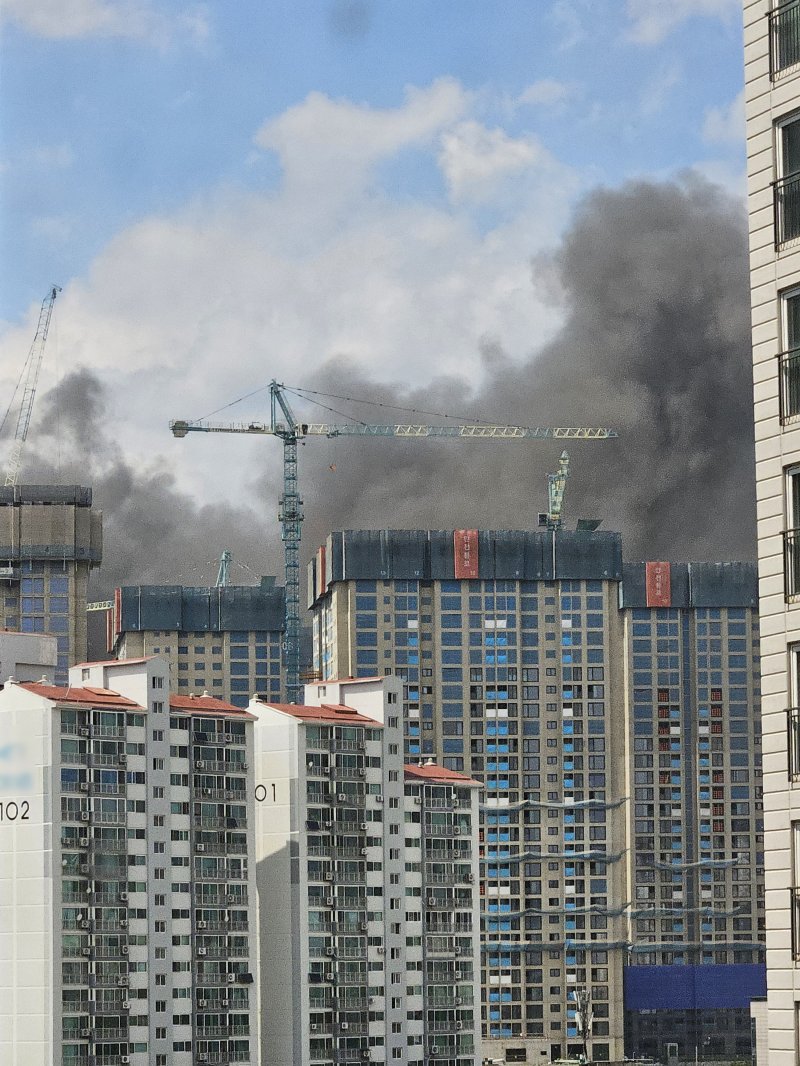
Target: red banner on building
(657,585)
(465,542)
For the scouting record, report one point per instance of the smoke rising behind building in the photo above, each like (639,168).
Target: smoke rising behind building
(652,281)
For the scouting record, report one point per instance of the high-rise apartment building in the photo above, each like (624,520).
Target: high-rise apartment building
(50,538)
(610,712)
(227,640)
(772,99)
(127,890)
(370,948)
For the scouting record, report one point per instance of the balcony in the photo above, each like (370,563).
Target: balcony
(793,742)
(791,564)
(784,37)
(787,209)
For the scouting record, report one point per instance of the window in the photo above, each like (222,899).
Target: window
(792,535)
(795,890)
(787,187)
(790,355)
(784,36)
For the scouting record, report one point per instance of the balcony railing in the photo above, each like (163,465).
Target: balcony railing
(793,742)
(789,381)
(791,563)
(794,903)
(784,37)
(787,209)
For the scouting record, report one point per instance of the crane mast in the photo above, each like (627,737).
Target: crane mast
(284,425)
(33,365)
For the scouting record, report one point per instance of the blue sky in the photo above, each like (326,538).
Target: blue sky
(246,188)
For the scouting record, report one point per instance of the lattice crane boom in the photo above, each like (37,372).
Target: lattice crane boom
(283,424)
(33,365)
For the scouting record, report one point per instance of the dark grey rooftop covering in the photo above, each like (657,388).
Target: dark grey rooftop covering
(697,585)
(44,494)
(232,607)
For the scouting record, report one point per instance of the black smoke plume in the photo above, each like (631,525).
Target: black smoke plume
(655,344)
(652,279)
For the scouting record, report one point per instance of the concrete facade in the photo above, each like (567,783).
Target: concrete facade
(225,640)
(127,899)
(772,100)
(615,729)
(50,539)
(373,953)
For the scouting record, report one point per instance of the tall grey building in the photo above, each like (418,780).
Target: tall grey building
(50,539)
(610,713)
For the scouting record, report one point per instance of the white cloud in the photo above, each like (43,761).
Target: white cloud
(181,314)
(474,159)
(657,90)
(73,19)
(725,125)
(653,20)
(545,92)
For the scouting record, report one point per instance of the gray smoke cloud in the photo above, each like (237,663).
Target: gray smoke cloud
(655,344)
(154,533)
(653,283)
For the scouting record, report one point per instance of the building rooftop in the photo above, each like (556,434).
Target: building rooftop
(328,712)
(71,694)
(433,772)
(118,662)
(205,704)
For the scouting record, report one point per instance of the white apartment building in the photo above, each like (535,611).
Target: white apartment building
(772,78)
(127,901)
(373,954)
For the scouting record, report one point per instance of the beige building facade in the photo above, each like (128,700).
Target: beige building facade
(772,95)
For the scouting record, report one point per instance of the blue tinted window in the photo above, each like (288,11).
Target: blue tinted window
(239,653)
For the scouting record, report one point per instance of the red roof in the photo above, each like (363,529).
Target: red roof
(438,773)
(119,662)
(93,696)
(328,712)
(205,705)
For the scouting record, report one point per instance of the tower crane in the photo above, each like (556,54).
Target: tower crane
(33,365)
(223,576)
(284,425)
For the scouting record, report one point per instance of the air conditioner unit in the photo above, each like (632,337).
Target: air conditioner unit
(85,732)
(83,921)
(418,800)
(125,1058)
(123,923)
(457,1001)
(456,830)
(362,772)
(230,899)
(202,951)
(207,791)
(200,847)
(202,1058)
(329,901)
(231,978)
(86,951)
(123,757)
(434,1050)
(379,798)
(470,878)
(362,826)
(84,867)
(242,766)
(84,816)
(459,1025)
(122,981)
(124,897)
(363,851)
(345,1026)
(84,842)
(328,825)
(331,951)
(202,925)
(202,1004)
(380,951)
(85,1033)
(313,1027)
(329,877)
(362,926)
(124,949)
(342,797)
(365,1053)
(329,977)
(431,901)
(84,786)
(456,951)
(126,1004)
(199,765)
